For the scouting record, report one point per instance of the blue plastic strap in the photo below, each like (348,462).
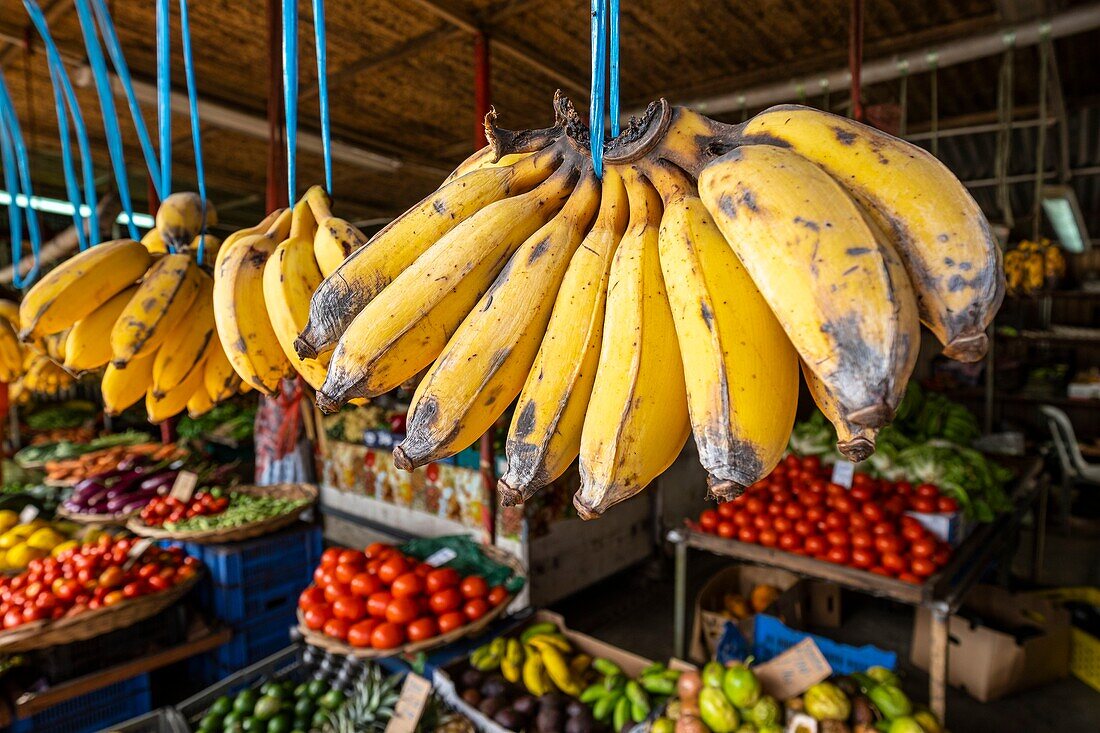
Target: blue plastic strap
(57,70)
(114,49)
(322,88)
(107,107)
(72,188)
(15,140)
(613,71)
(193,104)
(164,93)
(599,80)
(290,90)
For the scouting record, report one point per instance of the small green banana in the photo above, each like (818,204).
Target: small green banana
(621,714)
(543,627)
(606,667)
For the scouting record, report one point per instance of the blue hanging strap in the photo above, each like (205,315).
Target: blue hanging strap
(613,71)
(72,188)
(599,80)
(164,94)
(193,105)
(290,90)
(107,106)
(15,140)
(114,49)
(61,79)
(322,88)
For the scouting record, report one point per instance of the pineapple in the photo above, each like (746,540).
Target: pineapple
(370,706)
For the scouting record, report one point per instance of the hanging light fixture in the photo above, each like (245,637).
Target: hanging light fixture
(1064,212)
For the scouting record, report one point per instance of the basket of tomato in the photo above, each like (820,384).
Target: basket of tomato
(384,602)
(91,590)
(874,525)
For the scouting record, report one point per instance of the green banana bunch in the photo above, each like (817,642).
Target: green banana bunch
(488,657)
(543,627)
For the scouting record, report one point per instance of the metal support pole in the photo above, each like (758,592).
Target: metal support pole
(679,611)
(482,87)
(937,672)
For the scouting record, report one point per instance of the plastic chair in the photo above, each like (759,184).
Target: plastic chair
(1075,469)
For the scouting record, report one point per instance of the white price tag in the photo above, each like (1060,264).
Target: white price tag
(29,513)
(843,471)
(441,557)
(184,486)
(136,551)
(411,704)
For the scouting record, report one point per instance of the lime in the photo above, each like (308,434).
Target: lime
(304,708)
(320,718)
(235,727)
(301,690)
(232,717)
(221,706)
(316,688)
(281,723)
(331,700)
(210,723)
(254,725)
(246,700)
(267,707)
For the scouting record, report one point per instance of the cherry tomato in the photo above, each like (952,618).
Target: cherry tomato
(402,610)
(726,510)
(377,604)
(913,532)
(863,558)
(838,538)
(777,509)
(815,514)
(363,585)
(879,570)
(856,521)
(811,463)
(782,524)
(330,558)
(923,505)
(941,555)
(158,583)
(768,537)
(742,519)
(409,584)
(893,562)
(349,608)
(474,587)
(322,575)
(111,577)
(311,596)
(792,462)
(872,512)
(882,528)
(836,520)
(748,535)
(754,505)
(927,491)
(894,506)
(336,628)
(451,620)
(790,541)
(862,493)
(448,599)
(422,628)
(804,527)
(794,511)
(387,636)
(133,589)
(924,547)
(359,634)
(13,618)
(903,488)
(498,595)
(344,572)
(392,568)
(838,554)
(475,609)
(809,498)
(922,567)
(844,504)
(909,578)
(727,530)
(863,540)
(814,545)
(708,520)
(947,505)
(423,569)
(888,543)
(761,521)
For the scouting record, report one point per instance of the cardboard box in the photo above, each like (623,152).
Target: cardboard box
(710,621)
(999,643)
(631,664)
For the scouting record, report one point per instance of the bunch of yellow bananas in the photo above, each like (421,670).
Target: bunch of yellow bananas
(1031,266)
(144,313)
(677,294)
(11,350)
(263,281)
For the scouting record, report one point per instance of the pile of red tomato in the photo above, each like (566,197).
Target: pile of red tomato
(170,509)
(796,508)
(89,577)
(381,598)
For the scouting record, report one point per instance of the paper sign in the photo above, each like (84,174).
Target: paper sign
(30,511)
(794,671)
(184,486)
(441,557)
(843,471)
(136,551)
(411,704)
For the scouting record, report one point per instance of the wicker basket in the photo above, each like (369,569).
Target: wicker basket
(42,634)
(330,644)
(90,518)
(241,532)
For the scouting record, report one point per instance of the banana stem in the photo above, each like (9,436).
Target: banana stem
(302,222)
(319,202)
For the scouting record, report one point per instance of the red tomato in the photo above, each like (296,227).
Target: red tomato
(133,589)
(947,505)
(882,528)
(922,567)
(442,578)
(863,558)
(909,578)
(67,590)
(498,595)
(158,583)
(336,628)
(768,537)
(344,572)
(941,555)
(451,621)
(814,545)
(359,634)
(835,490)
(111,577)
(754,505)
(726,530)
(903,488)
(748,534)
(872,511)
(781,496)
(316,616)
(322,575)
(402,610)
(856,521)
(913,532)
(927,491)
(863,540)
(804,527)
(879,570)
(708,520)
(311,596)
(422,628)
(861,493)
(742,519)
(923,505)
(792,462)
(808,498)
(409,584)
(363,585)
(330,558)
(790,541)
(844,504)
(893,562)
(811,463)
(349,608)
(838,538)
(474,586)
(838,554)
(13,618)
(894,506)
(794,511)
(782,524)
(352,557)
(448,599)
(392,568)
(423,569)
(888,543)
(376,549)
(475,609)
(923,547)
(387,636)
(377,604)
(336,590)
(761,521)
(726,510)
(836,520)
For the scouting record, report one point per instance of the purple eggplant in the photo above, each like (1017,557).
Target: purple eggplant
(86,490)
(159,480)
(135,504)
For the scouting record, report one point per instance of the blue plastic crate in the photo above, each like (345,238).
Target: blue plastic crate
(772,636)
(263,561)
(92,712)
(252,641)
(237,605)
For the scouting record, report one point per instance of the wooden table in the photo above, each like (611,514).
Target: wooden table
(942,594)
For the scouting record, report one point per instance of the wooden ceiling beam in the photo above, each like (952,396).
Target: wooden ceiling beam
(50,9)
